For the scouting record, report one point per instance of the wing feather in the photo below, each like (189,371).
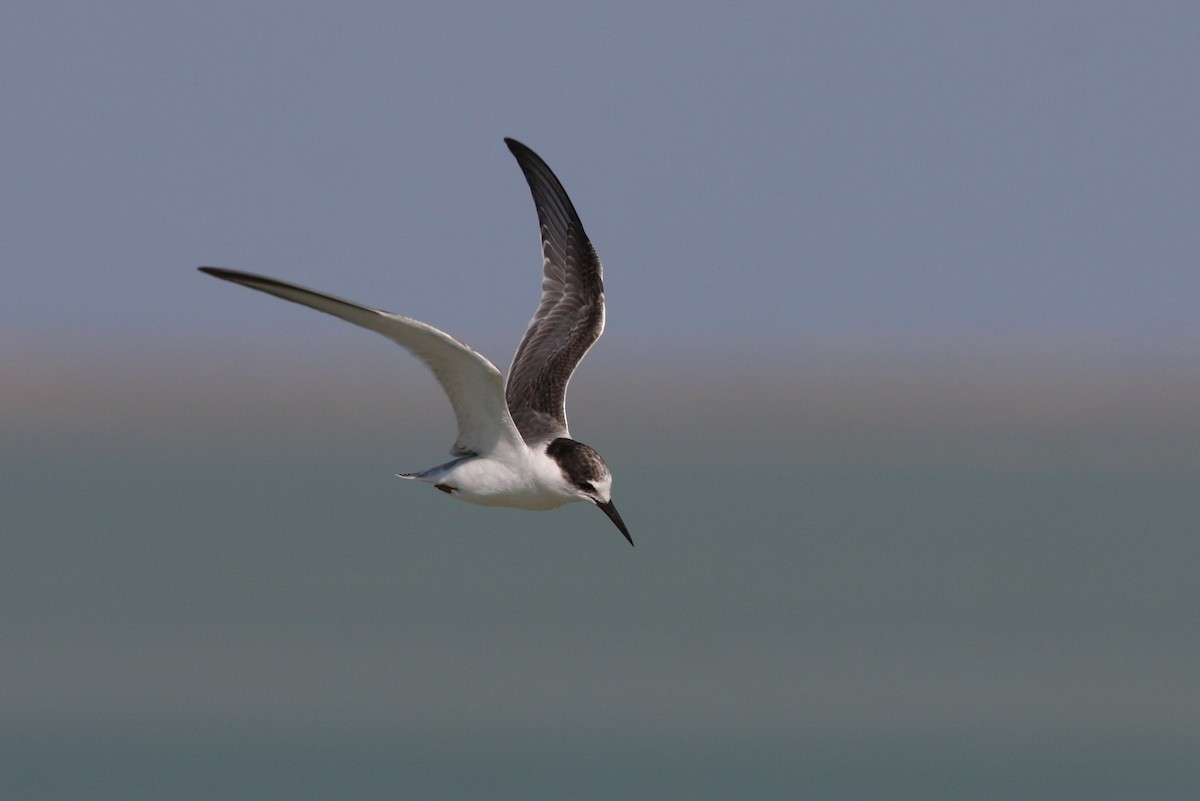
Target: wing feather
(570,315)
(471,382)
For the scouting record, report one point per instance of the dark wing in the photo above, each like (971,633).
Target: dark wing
(570,316)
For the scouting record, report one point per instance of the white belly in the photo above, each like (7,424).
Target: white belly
(534,483)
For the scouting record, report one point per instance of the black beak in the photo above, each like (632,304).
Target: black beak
(611,511)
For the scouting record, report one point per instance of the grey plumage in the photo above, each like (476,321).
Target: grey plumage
(570,316)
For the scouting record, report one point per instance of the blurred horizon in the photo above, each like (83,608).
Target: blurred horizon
(1141,403)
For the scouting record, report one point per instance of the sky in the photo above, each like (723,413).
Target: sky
(796,178)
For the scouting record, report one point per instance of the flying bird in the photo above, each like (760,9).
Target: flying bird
(513,446)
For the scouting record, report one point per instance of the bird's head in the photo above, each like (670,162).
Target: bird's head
(587,475)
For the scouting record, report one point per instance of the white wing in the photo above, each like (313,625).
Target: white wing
(473,384)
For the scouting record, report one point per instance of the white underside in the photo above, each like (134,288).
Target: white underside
(531,481)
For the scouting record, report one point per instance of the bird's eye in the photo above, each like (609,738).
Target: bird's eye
(587,487)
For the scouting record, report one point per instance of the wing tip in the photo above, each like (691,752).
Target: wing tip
(224,274)
(263,283)
(525,156)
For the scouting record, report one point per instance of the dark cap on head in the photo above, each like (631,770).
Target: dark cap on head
(579,463)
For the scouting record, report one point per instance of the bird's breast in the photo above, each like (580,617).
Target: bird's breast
(524,485)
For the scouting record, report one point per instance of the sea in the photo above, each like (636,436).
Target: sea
(823,603)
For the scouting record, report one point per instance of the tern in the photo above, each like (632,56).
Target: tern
(513,446)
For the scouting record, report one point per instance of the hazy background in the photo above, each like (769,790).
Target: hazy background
(901,389)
